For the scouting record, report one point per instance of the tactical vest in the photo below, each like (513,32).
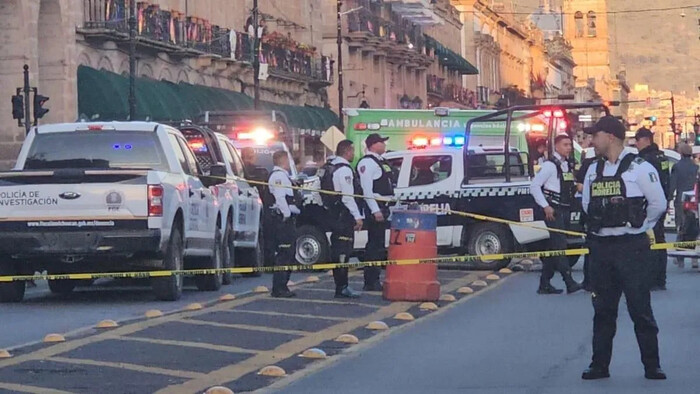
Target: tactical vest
(295,199)
(383,185)
(332,201)
(609,205)
(567,186)
(664,172)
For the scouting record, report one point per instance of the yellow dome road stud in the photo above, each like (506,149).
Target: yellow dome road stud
(54,338)
(290,283)
(219,390)
(272,370)
(107,324)
(195,306)
(428,306)
(227,297)
(404,316)
(492,277)
(348,338)
(312,279)
(447,298)
(153,313)
(377,326)
(479,283)
(525,262)
(5,354)
(465,290)
(261,289)
(314,353)
(505,271)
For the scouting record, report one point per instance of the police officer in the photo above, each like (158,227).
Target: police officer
(650,152)
(623,198)
(345,214)
(376,181)
(283,231)
(554,190)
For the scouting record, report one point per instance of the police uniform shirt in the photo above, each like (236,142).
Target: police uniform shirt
(548,178)
(369,172)
(641,180)
(343,183)
(280,188)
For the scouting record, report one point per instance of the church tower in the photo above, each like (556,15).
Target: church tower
(586,27)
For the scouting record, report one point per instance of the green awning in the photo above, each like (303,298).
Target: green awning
(449,58)
(104,95)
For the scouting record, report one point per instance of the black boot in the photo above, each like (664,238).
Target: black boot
(594,372)
(654,374)
(549,289)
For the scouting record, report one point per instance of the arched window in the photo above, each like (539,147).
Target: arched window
(591,24)
(578,18)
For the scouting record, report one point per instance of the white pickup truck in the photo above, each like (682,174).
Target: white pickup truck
(107,197)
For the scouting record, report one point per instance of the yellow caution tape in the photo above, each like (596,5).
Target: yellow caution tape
(673,245)
(295,268)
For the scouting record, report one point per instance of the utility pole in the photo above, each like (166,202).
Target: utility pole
(256,56)
(339,41)
(132,61)
(27,89)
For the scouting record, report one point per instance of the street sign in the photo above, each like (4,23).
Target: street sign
(332,137)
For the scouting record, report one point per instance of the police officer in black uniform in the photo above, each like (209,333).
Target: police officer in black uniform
(344,212)
(376,181)
(650,152)
(554,189)
(283,210)
(623,198)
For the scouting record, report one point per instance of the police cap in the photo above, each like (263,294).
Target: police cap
(374,138)
(644,133)
(608,124)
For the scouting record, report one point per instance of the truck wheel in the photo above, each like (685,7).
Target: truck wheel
(169,288)
(228,254)
(255,257)
(489,238)
(212,282)
(11,291)
(62,286)
(311,246)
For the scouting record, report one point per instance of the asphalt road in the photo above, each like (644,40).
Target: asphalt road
(511,340)
(43,313)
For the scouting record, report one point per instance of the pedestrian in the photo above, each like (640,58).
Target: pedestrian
(249,157)
(282,221)
(683,177)
(650,152)
(554,189)
(623,198)
(344,215)
(377,182)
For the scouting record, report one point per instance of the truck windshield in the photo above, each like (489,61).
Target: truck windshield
(96,150)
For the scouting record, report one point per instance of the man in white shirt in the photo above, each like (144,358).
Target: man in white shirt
(623,198)
(282,220)
(554,189)
(376,179)
(345,214)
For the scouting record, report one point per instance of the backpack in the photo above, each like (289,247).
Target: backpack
(325,174)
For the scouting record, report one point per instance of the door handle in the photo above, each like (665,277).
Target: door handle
(202,195)
(191,193)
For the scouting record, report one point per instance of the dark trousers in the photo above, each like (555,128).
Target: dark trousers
(622,265)
(661,256)
(376,244)
(283,237)
(557,241)
(342,242)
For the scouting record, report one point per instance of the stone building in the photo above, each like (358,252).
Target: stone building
(192,56)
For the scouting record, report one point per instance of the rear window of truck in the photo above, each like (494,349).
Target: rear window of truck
(108,149)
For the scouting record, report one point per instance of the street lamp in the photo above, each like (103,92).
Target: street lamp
(339,42)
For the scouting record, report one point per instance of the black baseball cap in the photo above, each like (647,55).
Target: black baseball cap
(374,138)
(644,133)
(608,124)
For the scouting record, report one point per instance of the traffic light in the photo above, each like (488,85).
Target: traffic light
(18,107)
(652,119)
(39,110)
(697,139)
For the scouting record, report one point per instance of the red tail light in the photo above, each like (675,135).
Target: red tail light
(155,200)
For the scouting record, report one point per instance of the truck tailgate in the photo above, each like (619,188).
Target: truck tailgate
(73,198)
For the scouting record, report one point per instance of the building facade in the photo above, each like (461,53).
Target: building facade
(77,53)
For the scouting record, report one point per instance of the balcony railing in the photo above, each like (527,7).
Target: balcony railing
(461,95)
(397,30)
(180,32)
(436,85)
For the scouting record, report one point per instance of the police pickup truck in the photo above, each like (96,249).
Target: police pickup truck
(240,204)
(107,197)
